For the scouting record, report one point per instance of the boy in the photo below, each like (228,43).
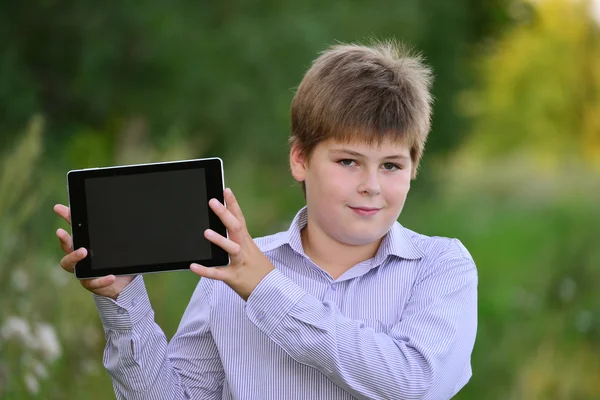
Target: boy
(345,304)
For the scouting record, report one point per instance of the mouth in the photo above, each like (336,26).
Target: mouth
(365,211)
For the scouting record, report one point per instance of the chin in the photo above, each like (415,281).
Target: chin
(360,239)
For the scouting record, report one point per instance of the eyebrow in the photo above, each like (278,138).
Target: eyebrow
(357,154)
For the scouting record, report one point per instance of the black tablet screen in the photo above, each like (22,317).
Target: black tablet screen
(147,218)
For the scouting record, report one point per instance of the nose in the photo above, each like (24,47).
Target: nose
(370,184)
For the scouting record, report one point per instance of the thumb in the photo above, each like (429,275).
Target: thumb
(98,283)
(216,273)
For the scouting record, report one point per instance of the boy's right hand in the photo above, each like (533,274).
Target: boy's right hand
(108,286)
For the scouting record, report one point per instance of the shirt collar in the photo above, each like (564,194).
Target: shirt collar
(396,242)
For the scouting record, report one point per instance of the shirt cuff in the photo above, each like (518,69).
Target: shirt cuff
(130,308)
(272,300)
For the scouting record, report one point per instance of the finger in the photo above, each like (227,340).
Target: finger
(232,224)
(64,212)
(231,247)
(98,283)
(68,262)
(233,206)
(216,273)
(66,243)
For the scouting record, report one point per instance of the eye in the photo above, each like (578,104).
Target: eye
(346,162)
(391,166)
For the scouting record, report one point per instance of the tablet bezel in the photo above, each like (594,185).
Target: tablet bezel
(215,185)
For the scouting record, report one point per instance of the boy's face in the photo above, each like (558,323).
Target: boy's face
(354,192)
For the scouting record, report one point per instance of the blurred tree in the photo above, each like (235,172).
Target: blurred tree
(214,71)
(454,33)
(527,157)
(541,91)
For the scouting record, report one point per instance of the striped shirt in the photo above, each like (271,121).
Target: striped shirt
(400,325)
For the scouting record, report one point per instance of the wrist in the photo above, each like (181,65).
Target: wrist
(248,286)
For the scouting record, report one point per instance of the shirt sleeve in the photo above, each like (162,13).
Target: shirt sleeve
(140,361)
(426,355)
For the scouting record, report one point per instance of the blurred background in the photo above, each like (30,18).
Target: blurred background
(512,166)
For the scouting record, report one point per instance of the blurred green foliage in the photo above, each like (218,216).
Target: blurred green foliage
(540,91)
(511,167)
(210,72)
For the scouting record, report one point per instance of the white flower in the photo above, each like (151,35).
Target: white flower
(31,383)
(47,342)
(39,368)
(15,327)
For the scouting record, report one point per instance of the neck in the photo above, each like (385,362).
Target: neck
(331,255)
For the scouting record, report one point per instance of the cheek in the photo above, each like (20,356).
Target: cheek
(334,182)
(397,189)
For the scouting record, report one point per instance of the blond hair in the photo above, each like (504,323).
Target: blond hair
(359,93)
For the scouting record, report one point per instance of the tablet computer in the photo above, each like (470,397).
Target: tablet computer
(146,218)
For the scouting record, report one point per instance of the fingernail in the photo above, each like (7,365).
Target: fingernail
(81,252)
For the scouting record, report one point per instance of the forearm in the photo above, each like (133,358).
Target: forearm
(402,363)
(367,364)
(136,352)
(135,360)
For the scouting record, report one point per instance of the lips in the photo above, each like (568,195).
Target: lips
(365,211)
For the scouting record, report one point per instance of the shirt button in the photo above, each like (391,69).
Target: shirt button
(332,287)
(121,311)
(133,302)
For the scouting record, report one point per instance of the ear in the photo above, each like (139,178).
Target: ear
(298,163)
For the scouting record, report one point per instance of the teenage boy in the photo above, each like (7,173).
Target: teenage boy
(345,304)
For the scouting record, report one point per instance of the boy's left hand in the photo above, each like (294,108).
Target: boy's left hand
(248,265)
